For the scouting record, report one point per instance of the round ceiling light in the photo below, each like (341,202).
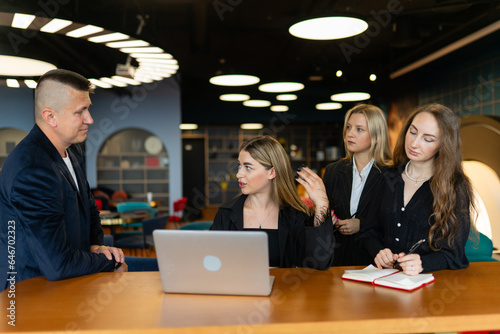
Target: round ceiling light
(281,87)
(256,103)
(348,97)
(279,108)
(188,126)
(234,80)
(286,97)
(326,28)
(328,106)
(251,126)
(25,67)
(234,97)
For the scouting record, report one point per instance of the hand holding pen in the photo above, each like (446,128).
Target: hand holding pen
(349,226)
(409,267)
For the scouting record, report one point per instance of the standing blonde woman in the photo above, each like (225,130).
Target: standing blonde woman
(352,183)
(428,197)
(269,202)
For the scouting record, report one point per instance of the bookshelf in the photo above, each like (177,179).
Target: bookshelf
(124,163)
(311,145)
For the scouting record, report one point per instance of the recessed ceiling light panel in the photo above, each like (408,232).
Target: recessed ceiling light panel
(234,80)
(84,31)
(352,96)
(55,25)
(115,36)
(99,83)
(19,66)
(142,60)
(234,97)
(328,106)
(12,83)
(152,55)
(114,82)
(256,103)
(126,80)
(281,87)
(151,49)
(22,21)
(127,44)
(30,83)
(327,28)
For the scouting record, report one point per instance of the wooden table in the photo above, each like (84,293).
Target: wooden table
(302,301)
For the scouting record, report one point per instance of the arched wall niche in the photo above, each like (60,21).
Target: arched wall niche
(481,153)
(134,160)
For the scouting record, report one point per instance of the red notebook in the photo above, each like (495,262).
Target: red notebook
(391,278)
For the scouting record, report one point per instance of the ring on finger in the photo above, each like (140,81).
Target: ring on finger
(412,268)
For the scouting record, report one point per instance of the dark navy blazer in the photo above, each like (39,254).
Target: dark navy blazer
(49,223)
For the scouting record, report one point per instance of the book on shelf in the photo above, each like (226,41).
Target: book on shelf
(152,162)
(391,278)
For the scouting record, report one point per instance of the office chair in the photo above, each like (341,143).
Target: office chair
(201,225)
(145,239)
(479,252)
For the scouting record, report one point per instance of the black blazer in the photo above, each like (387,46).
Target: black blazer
(300,243)
(54,223)
(338,184)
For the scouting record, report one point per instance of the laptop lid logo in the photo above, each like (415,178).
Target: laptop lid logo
(212,263)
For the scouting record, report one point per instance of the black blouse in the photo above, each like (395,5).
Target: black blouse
(300,243)
(398,227)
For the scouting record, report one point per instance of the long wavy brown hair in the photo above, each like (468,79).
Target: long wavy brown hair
(269,153)
(450,187)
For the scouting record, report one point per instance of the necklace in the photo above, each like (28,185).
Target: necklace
(265,218)
(414,180)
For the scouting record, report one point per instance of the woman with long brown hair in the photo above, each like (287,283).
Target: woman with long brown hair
(269,202)
(427,197)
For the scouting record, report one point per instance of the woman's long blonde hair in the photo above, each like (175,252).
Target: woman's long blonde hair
(377,128)
(269,153)
(449,185)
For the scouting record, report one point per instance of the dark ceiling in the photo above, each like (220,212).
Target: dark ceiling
(211,37)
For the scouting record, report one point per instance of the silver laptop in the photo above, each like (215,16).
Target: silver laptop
(213,262)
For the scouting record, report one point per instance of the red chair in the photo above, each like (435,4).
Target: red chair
(179,206)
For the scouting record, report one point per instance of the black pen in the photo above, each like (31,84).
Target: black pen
(412,250)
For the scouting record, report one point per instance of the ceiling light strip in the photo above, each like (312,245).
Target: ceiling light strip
(12,83)
(152,55)
(84,31)
(113,82)
(22,21)
(111,37)
(127,44)
(55,25)
(152,49)
(30,83)
(447,49)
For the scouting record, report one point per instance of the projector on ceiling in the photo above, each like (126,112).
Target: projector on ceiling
(124,70)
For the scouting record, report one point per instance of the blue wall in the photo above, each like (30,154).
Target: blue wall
(153,107)
(467,80)
(16,108)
